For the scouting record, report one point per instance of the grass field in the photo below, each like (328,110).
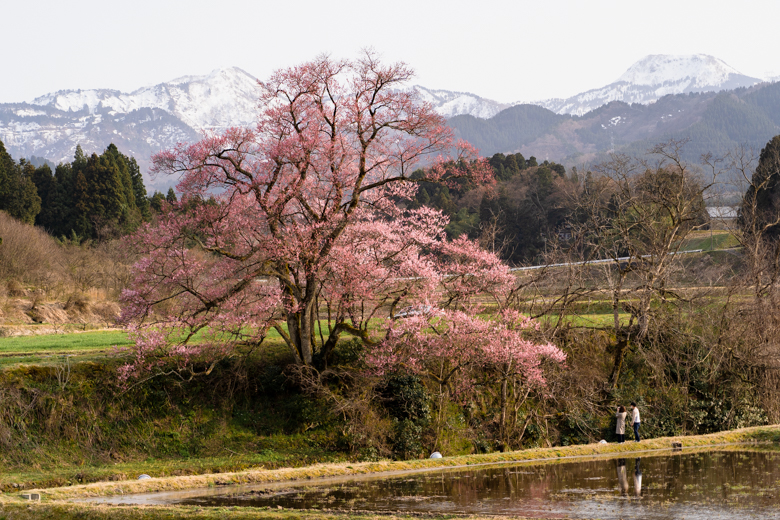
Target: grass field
(81,346)
(48,348)
(587,320)
(95,345)
(709,241)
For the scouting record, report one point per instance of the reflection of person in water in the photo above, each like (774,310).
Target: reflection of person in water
(638,477)
(622,476)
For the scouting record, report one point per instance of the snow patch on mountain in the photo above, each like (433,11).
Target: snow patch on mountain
(450,104)
(657,69)
(653,77)
(226,97)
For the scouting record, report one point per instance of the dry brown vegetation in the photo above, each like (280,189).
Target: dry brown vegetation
(45,281)
(692,338)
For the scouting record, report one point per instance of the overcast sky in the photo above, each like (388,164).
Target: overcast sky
(511,50)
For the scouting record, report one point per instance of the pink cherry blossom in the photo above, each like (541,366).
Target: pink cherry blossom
(445,345)
(296,226)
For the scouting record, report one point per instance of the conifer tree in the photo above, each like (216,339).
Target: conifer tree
(46,185)
(760,211)
(61,208)
(156,200)
(80,223)
(7,171)
(139,190)
(122,163)
(18,194)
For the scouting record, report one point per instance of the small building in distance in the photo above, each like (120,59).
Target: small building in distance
(722,217)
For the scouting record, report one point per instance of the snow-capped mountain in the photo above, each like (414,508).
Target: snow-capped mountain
(140,123)
(150,119)
(226,97)
(450,104)
(153,118)
(653,77)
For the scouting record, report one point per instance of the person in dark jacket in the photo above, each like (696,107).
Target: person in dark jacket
(635,421)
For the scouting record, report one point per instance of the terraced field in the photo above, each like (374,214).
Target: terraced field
(53,348)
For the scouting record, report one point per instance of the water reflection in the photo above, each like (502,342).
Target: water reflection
(638,477)
(705,485)
(620,464)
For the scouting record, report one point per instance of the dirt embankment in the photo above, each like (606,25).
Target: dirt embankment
(27,315)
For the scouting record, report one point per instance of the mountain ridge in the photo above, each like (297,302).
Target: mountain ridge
(653,77)
(225,97)
(712,121)
(156,117)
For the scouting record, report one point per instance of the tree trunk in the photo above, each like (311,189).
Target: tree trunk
(502,425)
(299,326)
(620,355)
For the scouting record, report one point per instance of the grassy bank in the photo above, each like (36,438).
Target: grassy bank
(759,434)
(67,422)
(55,503)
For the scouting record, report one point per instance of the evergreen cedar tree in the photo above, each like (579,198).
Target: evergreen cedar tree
(761,205)
(88,198)
(18,195)
(300,226)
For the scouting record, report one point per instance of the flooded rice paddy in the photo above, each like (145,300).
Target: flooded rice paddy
(701,485)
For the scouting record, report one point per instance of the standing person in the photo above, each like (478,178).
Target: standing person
(635,420)
(620,430)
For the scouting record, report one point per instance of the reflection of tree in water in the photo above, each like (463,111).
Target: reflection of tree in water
(465,489)
(527,483)
(708,480)
(468,489)
(509,482)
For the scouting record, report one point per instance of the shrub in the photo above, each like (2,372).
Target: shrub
(405,398)
(406,441)
(407,402)
(15,289)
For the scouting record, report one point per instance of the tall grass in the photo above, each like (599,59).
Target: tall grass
(34,264)
(28,254)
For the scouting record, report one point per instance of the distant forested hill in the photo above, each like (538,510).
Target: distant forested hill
(713,122)
(507,130)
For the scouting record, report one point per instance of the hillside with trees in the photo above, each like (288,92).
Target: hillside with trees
(95,197)
(516,216)
(712,122)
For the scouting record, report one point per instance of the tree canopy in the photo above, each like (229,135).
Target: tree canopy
(296,226)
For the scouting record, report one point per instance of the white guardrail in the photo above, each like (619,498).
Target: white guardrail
(601,261)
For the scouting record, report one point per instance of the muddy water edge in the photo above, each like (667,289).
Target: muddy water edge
(709,484)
